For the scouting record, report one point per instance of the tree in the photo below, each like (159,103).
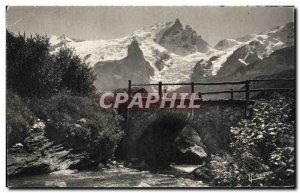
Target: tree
(32,71)
(77,76)
(30,68)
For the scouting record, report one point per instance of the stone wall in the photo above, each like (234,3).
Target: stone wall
(214,120)
(152,133)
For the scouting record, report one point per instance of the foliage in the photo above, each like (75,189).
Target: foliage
(262,145)
(19,119)
(32,71)
(80,124)
(76,75)
(55,86)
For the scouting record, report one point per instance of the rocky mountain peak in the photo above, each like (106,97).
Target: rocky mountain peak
(115,73)
(182,41)
(64,37)
(178,23)
(134,52)
(225,44)
(163,51)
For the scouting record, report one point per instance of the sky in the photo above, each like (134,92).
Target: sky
(93,23)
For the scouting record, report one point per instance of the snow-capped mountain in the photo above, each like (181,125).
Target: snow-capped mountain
(181,41)
(173,53)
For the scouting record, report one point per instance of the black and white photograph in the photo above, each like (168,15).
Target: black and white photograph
(150,97)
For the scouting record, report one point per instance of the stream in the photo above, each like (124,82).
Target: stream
(175,176)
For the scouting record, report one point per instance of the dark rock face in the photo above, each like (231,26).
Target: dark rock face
(189,147)
(246,60)
(239,58)
(161,58)
(182,41)
(286,34)
(225,44)
(203,173)
(279,61)
(40,155)
(276,64)
(201,70)
(26,164)
(115,74)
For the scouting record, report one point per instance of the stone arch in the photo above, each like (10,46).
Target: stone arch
(152,133)
(156,143)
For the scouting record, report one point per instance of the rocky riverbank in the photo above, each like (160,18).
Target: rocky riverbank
(39,155)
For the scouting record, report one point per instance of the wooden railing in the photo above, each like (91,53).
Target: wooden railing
(246,84)
(247,89)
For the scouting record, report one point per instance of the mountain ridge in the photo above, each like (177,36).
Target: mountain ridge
(168,65)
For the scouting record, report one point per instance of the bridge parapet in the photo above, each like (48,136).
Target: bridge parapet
(153,131)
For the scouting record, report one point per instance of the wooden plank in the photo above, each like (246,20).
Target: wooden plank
(221,92)
(220,83)
(206,83)
(250,90)
(272,80)
(271,89)
(213,83)
(154,84)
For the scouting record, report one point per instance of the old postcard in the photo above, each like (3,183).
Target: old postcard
(150,97)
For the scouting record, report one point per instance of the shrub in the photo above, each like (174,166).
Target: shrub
(30,67)
(265,144)
(76,76)
(19,119)
(80,124)
(32,71)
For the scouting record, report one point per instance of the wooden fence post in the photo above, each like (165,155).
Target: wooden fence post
(192,85)
(160,89)
(128,111)
(193,90)
(200,95)
(129,88)
(247,98)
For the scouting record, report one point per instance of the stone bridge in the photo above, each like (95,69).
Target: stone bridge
(150,134)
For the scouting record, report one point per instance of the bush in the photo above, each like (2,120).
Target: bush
(55,86)
(32,71)
(263,145)
(80,124)
(76,76)
(19,119)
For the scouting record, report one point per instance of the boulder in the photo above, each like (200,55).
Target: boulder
(82,121)
(190,148)
(17,148)
(26,164)
(191,155)
(202,173)
(39,155)
(100,166)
